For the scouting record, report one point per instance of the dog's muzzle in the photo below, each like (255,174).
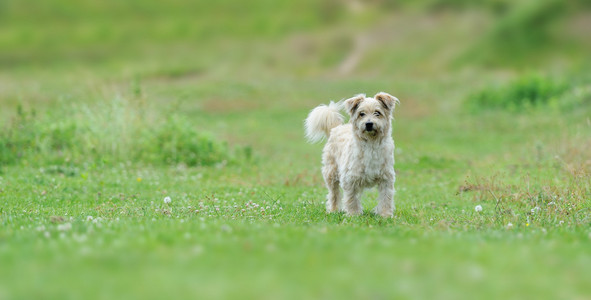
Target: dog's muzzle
(369,126)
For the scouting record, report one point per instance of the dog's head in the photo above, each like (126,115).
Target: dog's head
(371,117)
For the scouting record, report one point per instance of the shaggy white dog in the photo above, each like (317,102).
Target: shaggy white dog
(359,154)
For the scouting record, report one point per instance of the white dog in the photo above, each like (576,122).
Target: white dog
(359,154)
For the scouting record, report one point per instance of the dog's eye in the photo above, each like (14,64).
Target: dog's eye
(362,114)
(377,113)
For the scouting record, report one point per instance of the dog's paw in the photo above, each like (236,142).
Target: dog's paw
(332,209)
(386,213)
(354,211)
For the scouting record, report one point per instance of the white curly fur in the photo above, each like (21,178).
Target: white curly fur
(321,120)
(357,155)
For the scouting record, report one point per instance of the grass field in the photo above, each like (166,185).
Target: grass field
(108,109)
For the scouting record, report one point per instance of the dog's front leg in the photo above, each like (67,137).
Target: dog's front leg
(385,206)
(334,196)
(352,199)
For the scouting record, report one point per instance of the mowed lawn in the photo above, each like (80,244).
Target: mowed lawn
(108,110)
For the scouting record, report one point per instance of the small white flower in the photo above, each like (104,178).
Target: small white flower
(89,218)
(270,247)
(509,225)
(226,228)
(198,250)
(167,200)
(478,208)
(80,238)
(535,209)
(64,227)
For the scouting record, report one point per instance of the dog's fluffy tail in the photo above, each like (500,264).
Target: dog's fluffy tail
(322,120)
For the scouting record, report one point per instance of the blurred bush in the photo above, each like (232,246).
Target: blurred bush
(531,91)
(177,141)
(109,133)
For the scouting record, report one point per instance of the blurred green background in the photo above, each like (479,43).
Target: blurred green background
(200,59)
(109,106)
(295,39)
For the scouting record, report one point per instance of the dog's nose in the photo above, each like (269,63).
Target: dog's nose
(369,126)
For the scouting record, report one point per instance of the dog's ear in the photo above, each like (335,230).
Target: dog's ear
(388,101)
(352,104)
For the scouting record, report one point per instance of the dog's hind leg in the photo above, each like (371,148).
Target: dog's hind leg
(331,178)
(334,196)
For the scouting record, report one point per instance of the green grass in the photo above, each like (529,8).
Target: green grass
(97,132)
